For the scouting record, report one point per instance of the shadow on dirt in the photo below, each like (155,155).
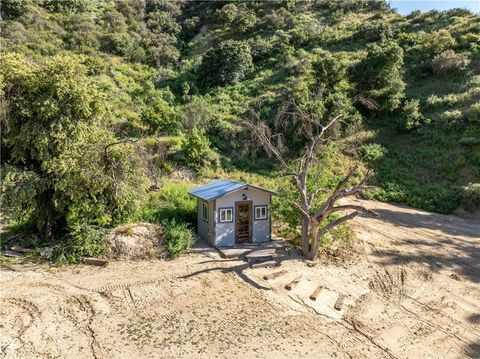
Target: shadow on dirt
(447,224)
(237,269)
(452,248)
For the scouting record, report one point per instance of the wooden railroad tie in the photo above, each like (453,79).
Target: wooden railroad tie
(265,264)
(316,293)
(293,283)
(95,261)
(339,302)
(274,275)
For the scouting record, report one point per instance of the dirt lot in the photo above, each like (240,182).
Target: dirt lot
(412,287)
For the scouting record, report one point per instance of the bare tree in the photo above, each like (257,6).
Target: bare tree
(312,229)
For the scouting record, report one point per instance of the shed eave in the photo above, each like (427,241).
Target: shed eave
(222,188)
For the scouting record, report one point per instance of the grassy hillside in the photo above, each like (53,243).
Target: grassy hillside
(424,161)
(159,84)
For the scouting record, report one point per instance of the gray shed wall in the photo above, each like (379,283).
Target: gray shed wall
(205,230)
(225,232)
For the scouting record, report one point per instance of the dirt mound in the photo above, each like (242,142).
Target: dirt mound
(136,241)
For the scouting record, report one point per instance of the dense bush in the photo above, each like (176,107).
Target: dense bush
(83,240)
(197,114)
(448,62)
(260,49)
(373,31)
(411,117)
(198,153)
(435,42)
(450,117)
(471,196)
(379,75)
(329,70)
(372,152)
(178,236)
(474,114)
(225,64)
(161,118)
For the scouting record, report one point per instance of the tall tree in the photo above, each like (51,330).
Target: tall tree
(61,165)
(315,221)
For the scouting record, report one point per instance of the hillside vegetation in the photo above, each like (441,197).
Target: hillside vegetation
(103,100)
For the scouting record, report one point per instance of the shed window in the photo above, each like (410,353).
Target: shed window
(205,211)
(261,212)
(226,215)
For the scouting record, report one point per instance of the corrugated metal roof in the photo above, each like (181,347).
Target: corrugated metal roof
(218,188)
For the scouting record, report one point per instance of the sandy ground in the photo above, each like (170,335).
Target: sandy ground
(412,291)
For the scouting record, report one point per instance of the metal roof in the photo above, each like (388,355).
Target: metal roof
(218,188)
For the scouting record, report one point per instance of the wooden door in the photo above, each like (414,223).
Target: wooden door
(243,222)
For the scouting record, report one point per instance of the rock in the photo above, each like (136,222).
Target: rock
(136,241)
(46,252)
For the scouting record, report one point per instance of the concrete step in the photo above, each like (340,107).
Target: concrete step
(261,252)
(260,255)
(265,264)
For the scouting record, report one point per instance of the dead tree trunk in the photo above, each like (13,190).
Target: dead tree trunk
(312,230)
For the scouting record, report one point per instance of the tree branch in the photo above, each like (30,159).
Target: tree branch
(361,209)
(336,223)
(301,209)
(353,190)
(315,192)
(121,142)
(334,196)
(262,132)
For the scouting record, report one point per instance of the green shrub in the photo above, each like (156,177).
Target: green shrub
(471,196)
(433,101)
(372,152)
(226,14)
(261,49)
(373,31)
(170,202)
(329,70)
(449,117)
(435,42)
(83,240)
(411,117)
(225,64)
(198,153)
(116,43)
(379,75)
(178,236)
(161,118)
(197,114)
(449,62)
(474,114)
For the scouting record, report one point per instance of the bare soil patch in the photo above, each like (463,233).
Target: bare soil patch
(413,291)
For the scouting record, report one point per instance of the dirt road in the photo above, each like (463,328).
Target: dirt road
(412,291)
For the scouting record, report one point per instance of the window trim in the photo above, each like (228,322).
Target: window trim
(204,204)
(256,218)
(220,214)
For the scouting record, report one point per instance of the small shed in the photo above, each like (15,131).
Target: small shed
(231,213)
